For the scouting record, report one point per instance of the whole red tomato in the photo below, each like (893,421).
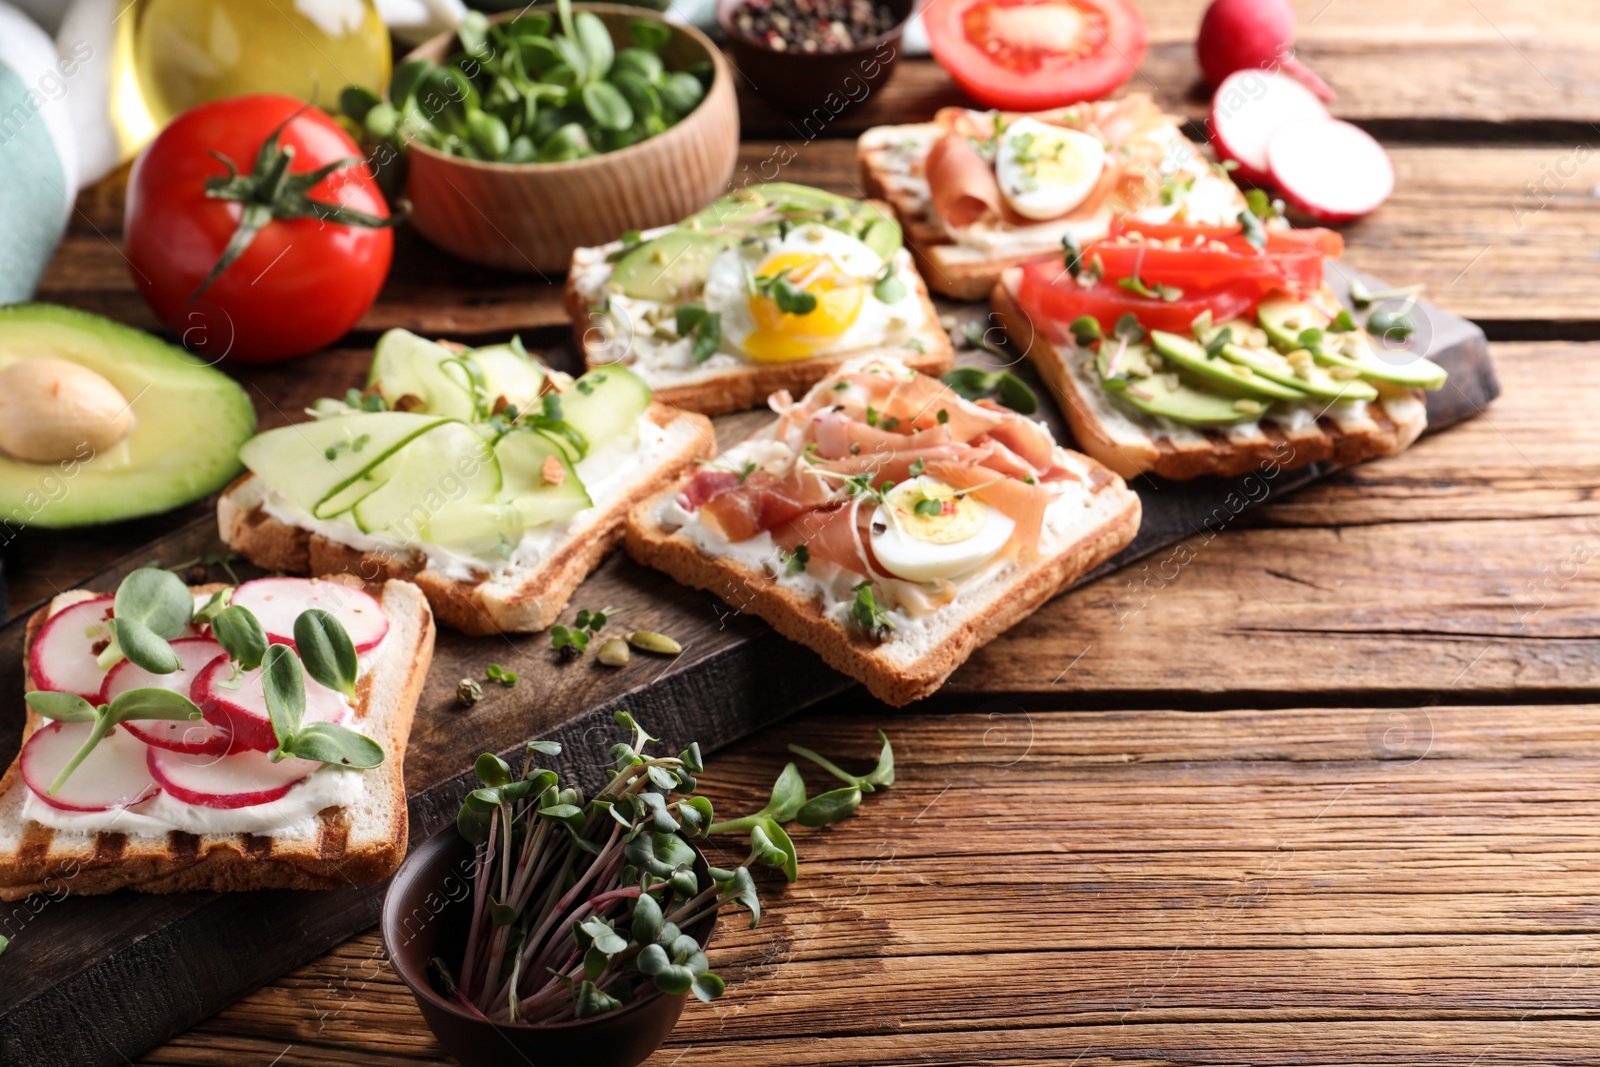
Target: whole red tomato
(309,253)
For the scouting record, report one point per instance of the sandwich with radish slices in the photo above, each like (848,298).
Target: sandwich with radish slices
(979,191)
(214,737)
(1184,350)
(889,524)
(491,481)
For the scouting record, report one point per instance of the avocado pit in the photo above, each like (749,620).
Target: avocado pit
(53,409)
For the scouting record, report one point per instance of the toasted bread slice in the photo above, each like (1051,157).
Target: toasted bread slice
(517,600)
(898,671)
(1130,443)
(358,844)
(740,388)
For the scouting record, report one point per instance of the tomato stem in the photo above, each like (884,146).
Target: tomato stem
(270,191)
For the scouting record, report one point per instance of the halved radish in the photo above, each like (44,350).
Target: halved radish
(242,710)
(113,775)
(62,657)
(1248,108)
(241,780)
(277,602)
(1329,169)
(180,735)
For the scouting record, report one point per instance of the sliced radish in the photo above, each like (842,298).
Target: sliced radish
(277,602)
(113,775)
(1329,169)
(242,710)
(62,658)
(237,781)
(1252,105)
(180,735)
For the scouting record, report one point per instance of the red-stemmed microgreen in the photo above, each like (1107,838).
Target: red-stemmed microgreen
(581,905)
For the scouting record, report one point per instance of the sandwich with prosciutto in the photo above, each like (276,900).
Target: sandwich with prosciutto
(888,524)
(979,191)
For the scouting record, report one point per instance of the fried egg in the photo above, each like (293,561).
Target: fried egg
(838,271)
(928,530)
(1045,171)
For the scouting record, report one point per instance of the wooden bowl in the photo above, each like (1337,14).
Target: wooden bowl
(819,85)
(426,912)
(530,216)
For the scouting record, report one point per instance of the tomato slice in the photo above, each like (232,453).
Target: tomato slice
(1030,55)
(1208,256)
(1048,293)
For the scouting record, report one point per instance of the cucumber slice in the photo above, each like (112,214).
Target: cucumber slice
(447,465)
(526,499)
(404,364)
(509,373)
(523,455)
(604,406)
(323,465)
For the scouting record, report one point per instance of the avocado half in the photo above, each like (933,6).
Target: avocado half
(183,442)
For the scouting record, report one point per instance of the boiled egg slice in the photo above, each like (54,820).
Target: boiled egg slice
(1045,171)
(928,530)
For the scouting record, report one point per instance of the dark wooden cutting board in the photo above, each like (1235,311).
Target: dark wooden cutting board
(95,980)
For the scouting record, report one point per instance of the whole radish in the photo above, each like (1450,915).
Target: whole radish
(1252,34)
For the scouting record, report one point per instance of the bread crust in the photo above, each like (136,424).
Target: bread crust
(530,604)
(800,618)
(1386,430)
(748,386)
(344,851)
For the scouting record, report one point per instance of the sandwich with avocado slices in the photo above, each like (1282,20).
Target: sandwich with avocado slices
(1184,351)
(771,287)
(493,482)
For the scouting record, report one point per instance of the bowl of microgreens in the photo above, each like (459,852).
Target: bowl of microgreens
(542,130)
(572,929)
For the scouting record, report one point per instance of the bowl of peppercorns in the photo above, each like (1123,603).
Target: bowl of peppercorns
(820,58)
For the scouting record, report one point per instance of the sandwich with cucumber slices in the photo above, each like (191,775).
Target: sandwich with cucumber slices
(1185,350)
(493,482)
(770,287)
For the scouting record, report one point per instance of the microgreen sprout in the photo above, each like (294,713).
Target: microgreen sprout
(571,642)
(972,383)
(496,673)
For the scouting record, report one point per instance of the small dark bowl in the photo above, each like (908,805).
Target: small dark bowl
(426,913)
(820,85)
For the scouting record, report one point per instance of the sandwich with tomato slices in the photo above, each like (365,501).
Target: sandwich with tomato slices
(979,191)
(888,523)
(1184,350)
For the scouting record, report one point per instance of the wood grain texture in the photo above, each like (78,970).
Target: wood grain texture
(1312,885)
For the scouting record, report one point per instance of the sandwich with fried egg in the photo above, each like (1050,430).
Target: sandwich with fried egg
(770,287)
(888,524)
(979,191)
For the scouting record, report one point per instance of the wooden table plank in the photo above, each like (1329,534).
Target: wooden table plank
(1288,880)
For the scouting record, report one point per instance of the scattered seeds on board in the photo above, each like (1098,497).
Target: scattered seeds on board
(468,693)
(614,652)
(649,641)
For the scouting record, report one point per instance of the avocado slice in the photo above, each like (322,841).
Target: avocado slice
(672,267)
(1233,378)
(1285,320)
(1301,372)
(1168,396)
(181,443)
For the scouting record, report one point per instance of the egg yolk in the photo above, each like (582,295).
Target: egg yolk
(781,336)
(958,517)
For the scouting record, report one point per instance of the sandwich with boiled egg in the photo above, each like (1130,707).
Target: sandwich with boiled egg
(888,524)
(980,191)
(770,287)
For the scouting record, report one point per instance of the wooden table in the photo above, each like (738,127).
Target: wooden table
(1323,787)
